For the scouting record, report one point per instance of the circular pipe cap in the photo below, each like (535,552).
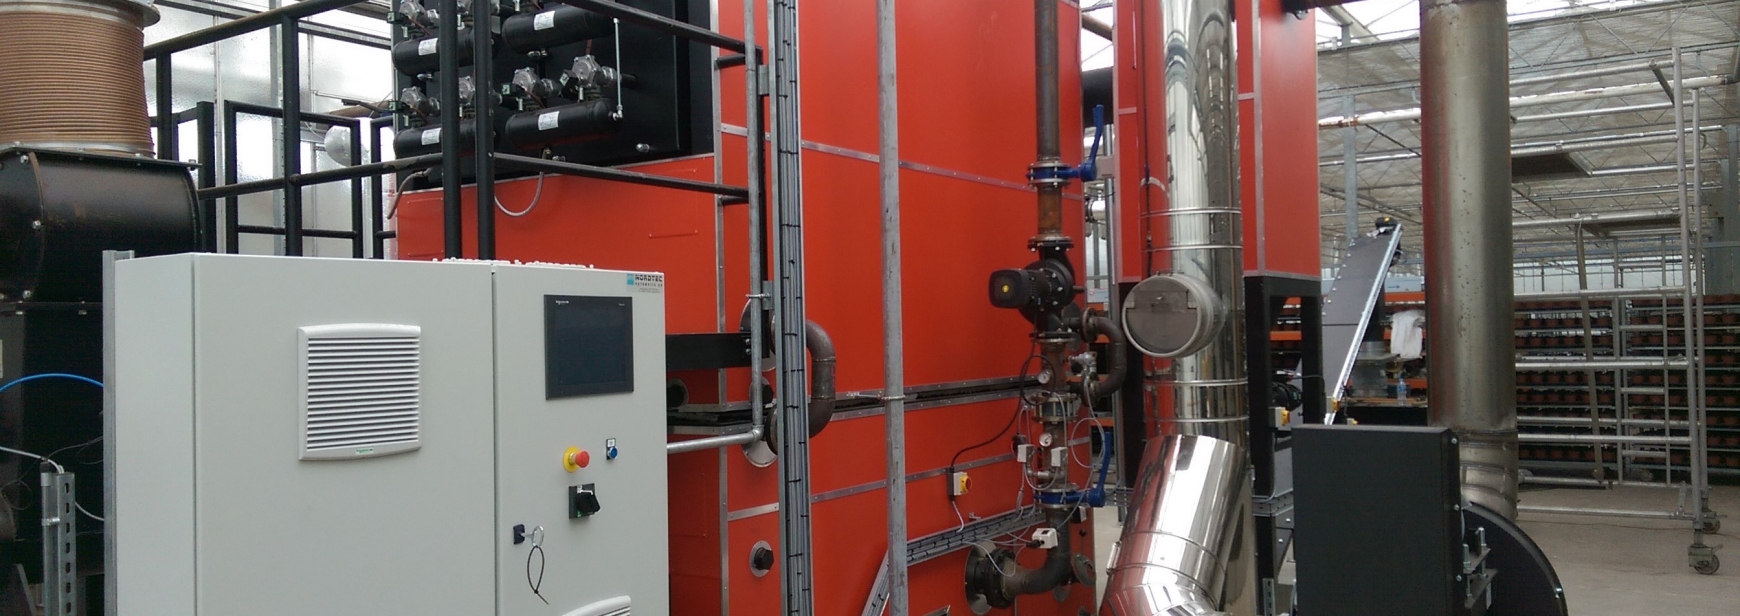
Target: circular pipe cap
(1172,315)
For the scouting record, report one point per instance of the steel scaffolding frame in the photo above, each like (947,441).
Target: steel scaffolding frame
(1622,433)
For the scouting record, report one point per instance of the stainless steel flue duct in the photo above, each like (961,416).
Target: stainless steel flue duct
(1185,549)
(1466,164)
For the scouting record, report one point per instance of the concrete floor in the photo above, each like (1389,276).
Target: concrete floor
(1609,566)
(1614,566)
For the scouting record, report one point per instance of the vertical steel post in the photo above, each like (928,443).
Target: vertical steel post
(1465,93)
(290,42)
(167,130)
(757,204)
(482,103)
(377,209)
(232,205)
(1697,462)
(207,126)
(788,255)
(1588,340)
(447,45)
(1350,175)
(893,349)
(359,244)
(1700,422)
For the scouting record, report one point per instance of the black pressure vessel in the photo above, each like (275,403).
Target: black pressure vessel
(60,210)
(592,119)
(427,140)
(423,56)
(553,26)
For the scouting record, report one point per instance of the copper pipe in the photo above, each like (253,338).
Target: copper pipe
(52,45)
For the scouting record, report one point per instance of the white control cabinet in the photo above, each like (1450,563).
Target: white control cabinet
(299,436)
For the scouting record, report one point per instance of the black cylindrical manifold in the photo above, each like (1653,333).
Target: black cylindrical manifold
(553,26)
(590,119)
(424,56)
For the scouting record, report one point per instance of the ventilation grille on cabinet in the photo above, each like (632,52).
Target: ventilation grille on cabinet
(361,390)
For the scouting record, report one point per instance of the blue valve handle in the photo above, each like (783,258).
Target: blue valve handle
(1094,496)
(1088,170)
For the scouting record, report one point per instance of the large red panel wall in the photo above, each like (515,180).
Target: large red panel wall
(967,137)
(1278,140)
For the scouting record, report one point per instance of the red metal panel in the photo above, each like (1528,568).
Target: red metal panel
(967,136)
(1139,86)
(1278,121)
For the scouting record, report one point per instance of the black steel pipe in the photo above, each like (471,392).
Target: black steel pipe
(231,29)
(224,12)
(320,233)
(629,14)
(290,81)
(483,105)
(1045,77)
(448,38)
(340,174)
(268,111)
(528,163)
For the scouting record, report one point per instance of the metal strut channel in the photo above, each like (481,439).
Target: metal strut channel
(940,543)
(788,315)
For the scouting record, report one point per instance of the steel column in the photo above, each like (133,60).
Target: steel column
(1466,151)
(893,333)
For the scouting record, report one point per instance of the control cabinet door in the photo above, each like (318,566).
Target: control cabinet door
(389,529)
(580,428)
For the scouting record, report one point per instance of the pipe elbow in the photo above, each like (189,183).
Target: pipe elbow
(822,376)
(1117,354)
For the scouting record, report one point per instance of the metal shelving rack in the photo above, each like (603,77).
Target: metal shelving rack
(1626,391)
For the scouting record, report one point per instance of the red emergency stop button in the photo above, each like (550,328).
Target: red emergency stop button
(575,459)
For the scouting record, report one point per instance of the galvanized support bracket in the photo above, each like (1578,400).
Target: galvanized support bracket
(60,595)
(950,540)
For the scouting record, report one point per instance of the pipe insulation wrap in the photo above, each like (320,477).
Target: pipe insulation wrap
(53,45)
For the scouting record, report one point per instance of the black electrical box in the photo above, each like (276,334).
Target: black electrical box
(1378,527)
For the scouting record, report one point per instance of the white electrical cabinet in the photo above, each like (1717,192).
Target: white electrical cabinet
(297,436)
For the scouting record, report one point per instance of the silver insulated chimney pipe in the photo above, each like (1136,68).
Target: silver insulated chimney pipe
(1185,549)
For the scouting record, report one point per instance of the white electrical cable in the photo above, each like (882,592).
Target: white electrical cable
(532,206)
(57,467)
(81,509)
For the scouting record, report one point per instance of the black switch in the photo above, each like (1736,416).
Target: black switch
(582,501)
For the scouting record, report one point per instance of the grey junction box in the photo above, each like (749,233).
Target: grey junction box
(301,436)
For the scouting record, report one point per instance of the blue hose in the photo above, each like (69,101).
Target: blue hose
(50,375)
